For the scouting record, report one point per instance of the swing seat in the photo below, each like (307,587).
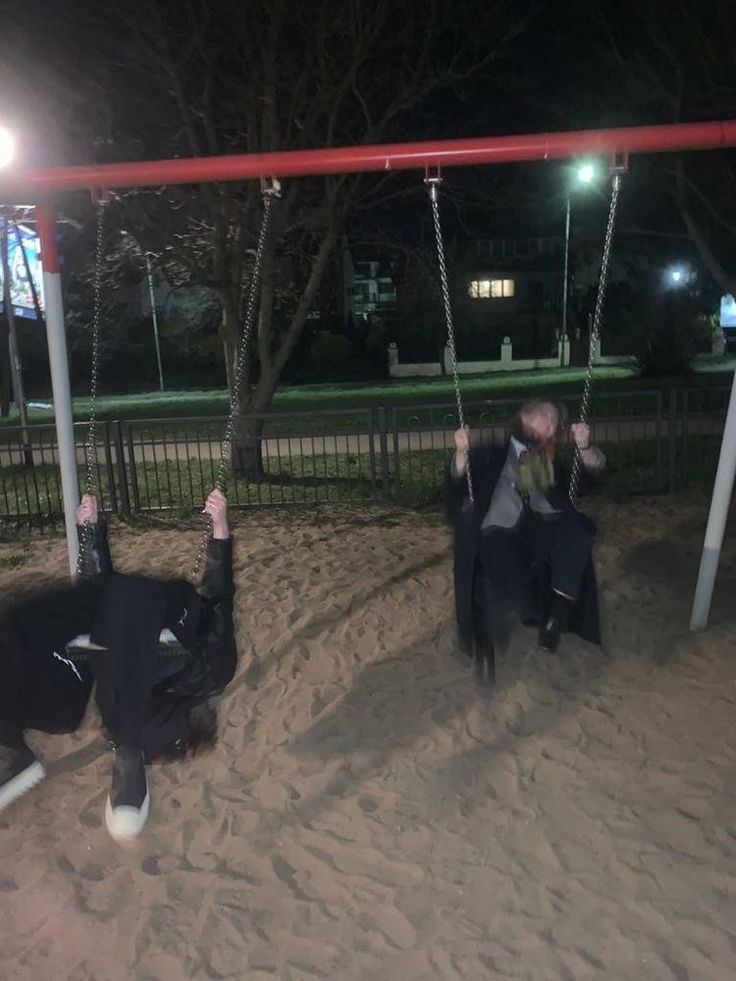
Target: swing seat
(585,619)
(81,647)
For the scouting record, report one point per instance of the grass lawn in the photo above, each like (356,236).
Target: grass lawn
(346,396)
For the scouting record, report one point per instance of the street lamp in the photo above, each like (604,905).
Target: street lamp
(152,296)
(7,147)
(676,276)
(585,175)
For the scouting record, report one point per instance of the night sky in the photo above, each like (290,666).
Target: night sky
(78,87)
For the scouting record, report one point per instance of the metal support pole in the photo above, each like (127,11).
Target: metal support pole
(154,319)
(566,287)
(719,505)
(59,365)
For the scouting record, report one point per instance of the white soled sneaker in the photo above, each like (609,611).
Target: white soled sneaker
(126,810)
(19,772)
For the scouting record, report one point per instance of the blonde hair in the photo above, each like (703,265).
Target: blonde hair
(540,406)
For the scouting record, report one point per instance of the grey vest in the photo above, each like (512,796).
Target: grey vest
(506,504)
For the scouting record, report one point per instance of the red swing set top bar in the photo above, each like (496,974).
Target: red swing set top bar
(430,154)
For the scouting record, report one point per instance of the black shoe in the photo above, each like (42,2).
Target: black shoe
(549,635)
(126,810)
(19,772)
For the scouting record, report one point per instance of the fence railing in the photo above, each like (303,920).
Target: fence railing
(654,442)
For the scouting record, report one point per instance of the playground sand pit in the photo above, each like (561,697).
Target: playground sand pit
(370,812)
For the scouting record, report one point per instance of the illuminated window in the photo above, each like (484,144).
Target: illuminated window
(483,289)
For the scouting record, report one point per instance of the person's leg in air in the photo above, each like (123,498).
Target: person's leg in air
(40,688)
(132,613)
(565,541)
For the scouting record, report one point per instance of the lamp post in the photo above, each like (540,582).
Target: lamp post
(585,174)
(152,297)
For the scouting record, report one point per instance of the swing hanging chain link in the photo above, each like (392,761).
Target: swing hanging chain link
(90,444)
(269,191)
(595,331)
(433,187)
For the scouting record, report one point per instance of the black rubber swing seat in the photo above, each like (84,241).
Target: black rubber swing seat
(81,649)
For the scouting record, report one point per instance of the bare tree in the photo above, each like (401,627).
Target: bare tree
(673,61)
(203,78)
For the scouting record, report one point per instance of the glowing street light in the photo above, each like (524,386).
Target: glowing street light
(7,147)
(676,276)
(586,173)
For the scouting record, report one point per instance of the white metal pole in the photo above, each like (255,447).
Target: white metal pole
(59,365)
(154,318)
(719,506)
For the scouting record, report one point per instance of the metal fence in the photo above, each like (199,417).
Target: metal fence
(654,441)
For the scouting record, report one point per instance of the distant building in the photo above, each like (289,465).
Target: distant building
(515,275)
(367,286)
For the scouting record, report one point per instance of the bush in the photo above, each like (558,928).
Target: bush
(330,352)
(672,333)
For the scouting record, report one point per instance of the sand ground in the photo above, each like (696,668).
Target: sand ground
(370,812)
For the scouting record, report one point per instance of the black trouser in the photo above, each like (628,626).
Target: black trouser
(563,540)
(124,614)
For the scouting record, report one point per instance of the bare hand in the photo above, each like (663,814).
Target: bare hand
(216,507)
(462,448)
(88,512)
(462,440)
(580,433)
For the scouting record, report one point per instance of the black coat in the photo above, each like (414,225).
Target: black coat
(211,654)
(53,698)
(486,464)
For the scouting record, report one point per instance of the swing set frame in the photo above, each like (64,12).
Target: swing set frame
(43,186)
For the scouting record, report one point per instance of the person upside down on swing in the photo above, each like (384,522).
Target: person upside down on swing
(153,705)
(522,520)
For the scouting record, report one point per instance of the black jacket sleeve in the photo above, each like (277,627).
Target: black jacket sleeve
(95,551)
(218,590)
(456,496)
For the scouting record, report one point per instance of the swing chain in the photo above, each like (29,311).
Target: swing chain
(90,444)
(270,191)
(595,331)
(433,181)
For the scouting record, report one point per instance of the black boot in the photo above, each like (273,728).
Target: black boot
(555,623)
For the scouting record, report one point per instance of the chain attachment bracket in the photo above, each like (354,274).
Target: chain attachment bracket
(100,195)
(271,186)
(619,162)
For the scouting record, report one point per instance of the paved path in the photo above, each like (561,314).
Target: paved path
(287,448)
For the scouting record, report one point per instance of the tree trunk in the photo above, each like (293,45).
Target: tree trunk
(247,456)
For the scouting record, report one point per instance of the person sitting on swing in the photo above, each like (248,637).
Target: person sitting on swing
(522,515)
(153,698)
